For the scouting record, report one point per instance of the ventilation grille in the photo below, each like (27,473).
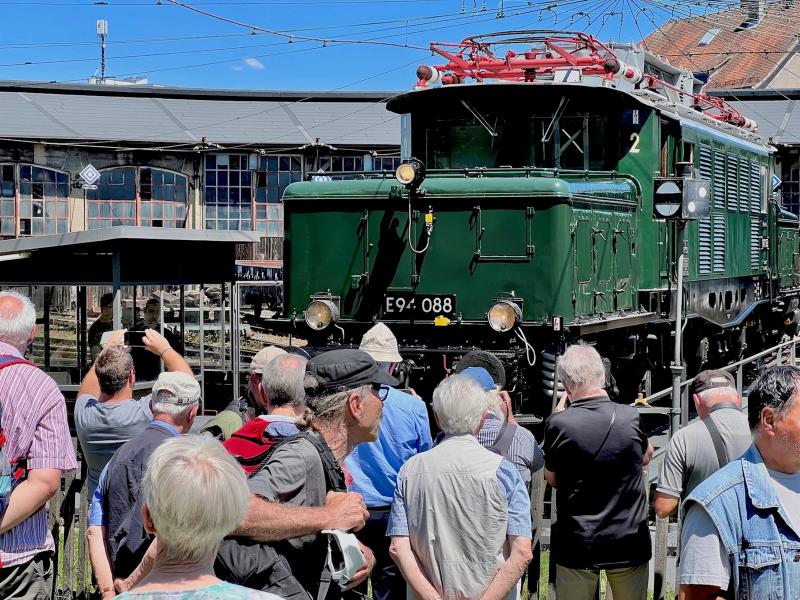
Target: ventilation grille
(719,180)
(706,166)
(719,243)
(755,187)
(732,189)
(704,246)
(755,245)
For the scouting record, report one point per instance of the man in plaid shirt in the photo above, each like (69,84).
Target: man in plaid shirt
(34,420)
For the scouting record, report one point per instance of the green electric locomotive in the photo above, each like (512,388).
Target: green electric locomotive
(549,200)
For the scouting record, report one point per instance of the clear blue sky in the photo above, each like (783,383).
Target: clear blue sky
(175,46)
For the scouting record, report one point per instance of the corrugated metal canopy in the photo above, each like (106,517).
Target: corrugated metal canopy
(777,112)
(175,115)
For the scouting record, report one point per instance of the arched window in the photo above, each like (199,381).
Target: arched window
(34,200)
(8,197)
(137,196)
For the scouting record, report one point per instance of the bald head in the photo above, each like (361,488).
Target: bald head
(17,320)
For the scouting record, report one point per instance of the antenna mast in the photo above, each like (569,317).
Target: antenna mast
(102,31)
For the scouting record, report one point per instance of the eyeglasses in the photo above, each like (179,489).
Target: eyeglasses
(381,391)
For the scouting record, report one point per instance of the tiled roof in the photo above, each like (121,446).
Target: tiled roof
(734,59)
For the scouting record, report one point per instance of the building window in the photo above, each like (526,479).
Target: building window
(138,196)
(229,198)
(319,167)
(43,201)
(8,225)
(114,200)
(386,163)
(162,198)
(790,188)
(273,175)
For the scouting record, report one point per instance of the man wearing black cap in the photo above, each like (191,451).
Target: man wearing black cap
(345,396)
(721,435)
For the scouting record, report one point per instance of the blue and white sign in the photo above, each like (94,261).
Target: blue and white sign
(776,182)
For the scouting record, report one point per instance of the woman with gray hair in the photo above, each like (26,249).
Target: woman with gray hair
(194,495)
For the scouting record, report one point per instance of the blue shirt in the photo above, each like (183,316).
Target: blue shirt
(405,431)
(510,485)
(96,511)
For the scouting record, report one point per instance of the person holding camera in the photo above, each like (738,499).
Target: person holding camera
(106,414)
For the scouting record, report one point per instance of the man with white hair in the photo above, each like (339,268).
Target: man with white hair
(117,536)
(701,448)
(461,519)
(37,447)
(250,405)
(594,451)
(405,432)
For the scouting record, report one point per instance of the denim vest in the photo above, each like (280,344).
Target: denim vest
(753,527)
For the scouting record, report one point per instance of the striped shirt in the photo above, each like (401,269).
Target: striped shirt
(524,453)
(35,422)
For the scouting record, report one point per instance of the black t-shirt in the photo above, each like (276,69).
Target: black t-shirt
(602,509)
(125,533)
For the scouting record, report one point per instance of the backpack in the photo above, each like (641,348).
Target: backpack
(251,443)
(260,565)
(11,473)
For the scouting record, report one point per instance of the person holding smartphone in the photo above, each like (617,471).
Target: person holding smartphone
(106,413)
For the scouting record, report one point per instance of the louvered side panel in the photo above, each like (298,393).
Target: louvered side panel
(719,243)
(719,180)
(731,188)
(755,244)
(755,187)
(704,252)
(706,164)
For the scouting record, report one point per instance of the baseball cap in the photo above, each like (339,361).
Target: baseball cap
(379,342)
(480,375)
(263,357)
(487,360)
(346,369)
(181,388)
(706,380)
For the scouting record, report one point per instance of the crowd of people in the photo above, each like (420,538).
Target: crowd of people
(324,480)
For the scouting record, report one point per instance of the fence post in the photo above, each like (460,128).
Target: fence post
(538,487)
(551,575)
(660,558)
(739,379)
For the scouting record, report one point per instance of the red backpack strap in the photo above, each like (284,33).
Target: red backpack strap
(7,361)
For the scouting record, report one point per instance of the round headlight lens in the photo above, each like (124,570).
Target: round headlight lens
(406,173)
(321,313)
(504,315)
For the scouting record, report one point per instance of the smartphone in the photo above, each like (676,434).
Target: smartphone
(134,338)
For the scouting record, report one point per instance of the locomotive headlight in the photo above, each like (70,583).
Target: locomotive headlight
(504,315)
(410,173)
(321,313)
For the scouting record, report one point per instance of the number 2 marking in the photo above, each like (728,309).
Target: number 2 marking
(635,140)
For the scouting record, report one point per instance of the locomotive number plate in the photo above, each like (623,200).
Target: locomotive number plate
(405,305)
